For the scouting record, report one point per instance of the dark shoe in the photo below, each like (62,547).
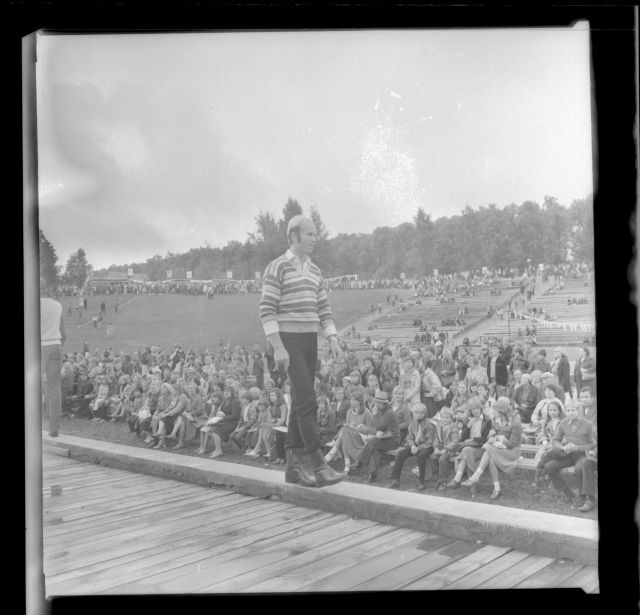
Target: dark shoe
(569,497)
(453,484)
(371,478)
(495,495)
(53,434)
(588,506)
(358,465)
(322,473)
(394,484)
(421,486)
(351,472)
(442,487)
(295,472)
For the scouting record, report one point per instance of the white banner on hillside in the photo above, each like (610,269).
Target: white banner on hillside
(552,324)
(402,276)
(169,274)
(435,272)
(229,275)
(189,275)
(130,272)
(257,275)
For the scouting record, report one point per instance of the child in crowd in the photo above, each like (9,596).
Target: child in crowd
(100,400)
(266,419)
(555,414)
(445,443)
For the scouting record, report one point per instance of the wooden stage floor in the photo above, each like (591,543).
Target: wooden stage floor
(114,532)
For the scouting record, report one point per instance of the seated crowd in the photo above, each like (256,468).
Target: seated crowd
(448,409)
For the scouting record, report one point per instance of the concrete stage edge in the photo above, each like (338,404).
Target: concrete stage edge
(539,533)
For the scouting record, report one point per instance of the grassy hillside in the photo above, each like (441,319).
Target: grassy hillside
(191,320)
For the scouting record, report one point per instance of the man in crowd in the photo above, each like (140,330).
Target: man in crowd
(294,308)
(588,404)
(518,361)
(525,398)
(574,437)
(52,338)
(497,372)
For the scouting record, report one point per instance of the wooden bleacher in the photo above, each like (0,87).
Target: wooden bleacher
(556,306)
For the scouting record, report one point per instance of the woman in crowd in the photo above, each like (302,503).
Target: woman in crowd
(248,418)
(193,418)
(402,412)
(359,422)
(217,399)
(410,382)
(167,418)
(474,435)
(560,368)
(264,424)
(143,426)
(258,366)
(541,410)
(502,448)
(326,420)
(222,429)
(340,406)
(101,398)
(389,373)
(431,390)
(451,393)
(474,371)
(462,397)
(555,413)
(448,371)
(419,443)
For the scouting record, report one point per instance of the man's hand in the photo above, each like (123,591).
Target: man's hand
(414,450)
(379,434)
(334,349)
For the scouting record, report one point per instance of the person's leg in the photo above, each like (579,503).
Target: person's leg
(585,476)
(484,462)
(51,365)
(280,442)
(423,457)
(401,457)
(218,445)
(493,470)
(553,462)
(444,467)
(182,432)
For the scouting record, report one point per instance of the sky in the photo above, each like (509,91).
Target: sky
(156,143)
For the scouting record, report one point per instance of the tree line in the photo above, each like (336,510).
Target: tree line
(550,233)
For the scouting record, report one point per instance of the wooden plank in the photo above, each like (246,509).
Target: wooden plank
(156,550)
(402,575)
(458,569)
(75,473)
(586,579)
(218,520)
(63,452)
(497,566)
(180,578)
(375,566)
(74,521)
(123,514)
(551,576)
(299,578)
(305,518)
(517,573)
(65,486)
(117,490)
(147,524)
(316,553)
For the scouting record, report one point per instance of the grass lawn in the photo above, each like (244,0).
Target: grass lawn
(191,320)
(515,490)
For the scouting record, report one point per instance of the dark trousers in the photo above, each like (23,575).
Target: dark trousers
(280,444)
(371,454)
(555,460)
(133,424)
(50,364)
(441,465)
(404,454)
(303,422)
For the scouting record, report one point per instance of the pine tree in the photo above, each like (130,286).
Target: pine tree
(48,259)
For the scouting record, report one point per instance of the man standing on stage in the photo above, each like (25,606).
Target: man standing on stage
(52,337)
(293,309)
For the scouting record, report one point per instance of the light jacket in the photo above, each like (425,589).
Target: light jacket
(414,392)
(421,435)
(446,437)
(432,386)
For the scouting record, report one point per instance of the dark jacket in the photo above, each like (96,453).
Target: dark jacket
(484,432)
(564,374)
(501,371)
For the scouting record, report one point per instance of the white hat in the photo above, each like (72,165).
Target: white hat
(438,343)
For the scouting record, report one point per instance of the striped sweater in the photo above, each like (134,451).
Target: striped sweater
(294,301)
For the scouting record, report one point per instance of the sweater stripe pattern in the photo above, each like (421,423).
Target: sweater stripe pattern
(297,303)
